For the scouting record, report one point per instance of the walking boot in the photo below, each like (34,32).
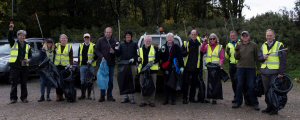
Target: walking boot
(82,92)
(42,98)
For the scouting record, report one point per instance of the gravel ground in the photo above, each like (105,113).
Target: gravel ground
(89,109)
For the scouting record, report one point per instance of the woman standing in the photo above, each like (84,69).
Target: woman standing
(215,57)
(47,51)
(63,59)
(171,52)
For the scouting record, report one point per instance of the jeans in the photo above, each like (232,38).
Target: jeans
(246,75)
(83,70)
(110,82)
(45,83)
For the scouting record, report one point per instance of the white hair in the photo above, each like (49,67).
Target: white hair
(148,37)
(170,34)
(213,35)
(21,32)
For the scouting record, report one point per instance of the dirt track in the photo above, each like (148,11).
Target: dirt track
(88,109)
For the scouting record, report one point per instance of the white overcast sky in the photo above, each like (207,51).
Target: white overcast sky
(261,6)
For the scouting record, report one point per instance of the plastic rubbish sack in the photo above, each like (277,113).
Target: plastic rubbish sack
(103,75)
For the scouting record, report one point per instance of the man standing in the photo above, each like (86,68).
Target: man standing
(105,49)
(274,65)
(229,54)
(20,55)
(148,54)
(192,58)
(86,62)
(246,53)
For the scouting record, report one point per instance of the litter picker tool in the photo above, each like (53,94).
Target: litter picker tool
(285,49)
(37,18)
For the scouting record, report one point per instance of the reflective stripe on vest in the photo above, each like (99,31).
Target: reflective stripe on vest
(185,59)
(213,56)
(151,57)
(273,60)
(90,53)
(14,53)
(231,57)
(62,58)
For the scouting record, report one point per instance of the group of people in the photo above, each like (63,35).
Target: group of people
(184,68)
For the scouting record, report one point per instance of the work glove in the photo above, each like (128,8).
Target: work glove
(69,67)
(139,59)
(181,70)
(89,62)
(131,60)
(117,47)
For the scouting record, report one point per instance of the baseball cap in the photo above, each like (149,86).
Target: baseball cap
(86,35)
(245,32)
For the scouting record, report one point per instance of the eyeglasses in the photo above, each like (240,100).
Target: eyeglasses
(245,35)
(86,37)
(212,38)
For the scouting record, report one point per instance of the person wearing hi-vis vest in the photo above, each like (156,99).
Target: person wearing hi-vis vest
(273,59)
(87,61)
(20,55)
(246,52)
(229,54)
(214,54)
(148,54)
(192,67)
(63,59)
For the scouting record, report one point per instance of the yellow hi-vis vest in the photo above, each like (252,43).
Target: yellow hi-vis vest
(62,58)
(213,56)
(199,39)
(14,53)
(90,53)
(151,57)
(231,48)
(273,60)
(185,59)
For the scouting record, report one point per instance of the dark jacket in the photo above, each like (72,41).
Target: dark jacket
(21,50)
(282,60)
(192,54)
(103,47)
(175,53)
(247,54)
(128,51)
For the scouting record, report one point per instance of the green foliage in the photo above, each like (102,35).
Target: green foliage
(293,66)
(286,30)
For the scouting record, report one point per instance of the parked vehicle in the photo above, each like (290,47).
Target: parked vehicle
(158,41)
(35,44)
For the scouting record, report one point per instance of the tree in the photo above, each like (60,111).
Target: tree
(297,10)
